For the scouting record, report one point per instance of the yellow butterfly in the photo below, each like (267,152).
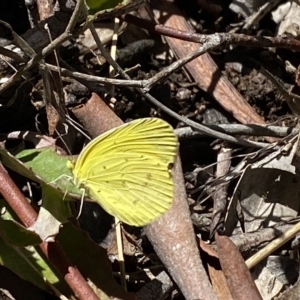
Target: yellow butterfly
(127,170)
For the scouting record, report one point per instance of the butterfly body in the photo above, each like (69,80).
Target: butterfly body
(127,170)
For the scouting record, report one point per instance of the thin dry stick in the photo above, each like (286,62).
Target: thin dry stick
(183,133)
(13,55)
(206,130)
(258,15)
(274,245)
(120,252)
(61,93)
(220,196)
(98,79)
(213,42)
(239,129)
(247,241)
(119,237)
(113,53)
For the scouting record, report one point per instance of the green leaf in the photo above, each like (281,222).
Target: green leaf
(43,166)
(112,7)
(12,231)
(17,235)
(98,5)
(48,166)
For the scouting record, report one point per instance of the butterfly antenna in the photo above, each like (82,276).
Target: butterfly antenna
(120,252)
(81,204)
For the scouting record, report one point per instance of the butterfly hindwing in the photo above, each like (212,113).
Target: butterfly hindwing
(128,170)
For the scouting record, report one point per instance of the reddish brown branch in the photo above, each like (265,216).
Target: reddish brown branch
(227,38)
(172,234)
(238,277)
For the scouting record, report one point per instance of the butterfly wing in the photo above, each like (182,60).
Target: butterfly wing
(127,170)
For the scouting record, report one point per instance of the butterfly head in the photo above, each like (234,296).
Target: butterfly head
(70,164)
